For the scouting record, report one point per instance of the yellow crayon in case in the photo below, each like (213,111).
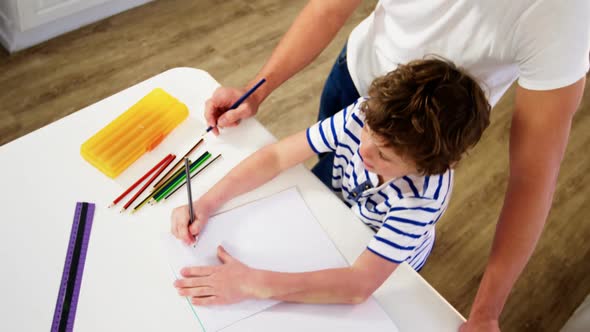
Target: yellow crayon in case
(138,130)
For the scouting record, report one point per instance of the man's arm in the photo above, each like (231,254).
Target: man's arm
(310,33)
(538,137)
(313,29)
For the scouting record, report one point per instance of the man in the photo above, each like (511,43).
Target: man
(542,43)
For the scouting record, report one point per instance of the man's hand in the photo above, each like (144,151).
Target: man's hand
(313,29)
(230,282)
(217,111)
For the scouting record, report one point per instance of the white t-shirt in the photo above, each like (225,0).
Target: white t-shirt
(545,44)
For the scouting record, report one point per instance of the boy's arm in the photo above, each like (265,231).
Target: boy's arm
(260,168)
(255,170)
(344,285)
(233,282)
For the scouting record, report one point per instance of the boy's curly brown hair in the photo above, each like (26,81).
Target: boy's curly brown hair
(428,111)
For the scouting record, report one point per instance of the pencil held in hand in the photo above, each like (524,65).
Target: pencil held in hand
(189,191)
(240,100)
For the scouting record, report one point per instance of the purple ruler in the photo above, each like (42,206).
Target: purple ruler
(69,289)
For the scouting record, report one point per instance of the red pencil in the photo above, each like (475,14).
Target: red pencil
(147,184)
(118,199)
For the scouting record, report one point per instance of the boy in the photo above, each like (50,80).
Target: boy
(393,159)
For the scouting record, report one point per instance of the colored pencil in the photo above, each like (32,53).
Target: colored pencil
(118,199)
(179,182)
(169,160)
(142,203)
(241,99)
(175,177)
(188,189)
(192,176)
(158,197)
(169,183)
(164,178)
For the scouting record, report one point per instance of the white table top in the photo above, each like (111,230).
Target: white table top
(127,283)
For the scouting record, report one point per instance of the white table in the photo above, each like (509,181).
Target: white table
(127,282)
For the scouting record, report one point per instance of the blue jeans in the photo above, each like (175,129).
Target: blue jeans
(339,92)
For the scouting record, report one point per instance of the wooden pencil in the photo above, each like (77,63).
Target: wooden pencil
(142,203)
(165,177)
(160,195)
(192,176)
(189,191)
(172,179)
(166,185)
(240,100)
(118,199)
(169,160)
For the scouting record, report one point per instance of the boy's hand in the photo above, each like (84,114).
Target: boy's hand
(180,221)
(216,108)
(230,282)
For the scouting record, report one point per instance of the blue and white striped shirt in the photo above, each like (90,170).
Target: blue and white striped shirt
(402,211)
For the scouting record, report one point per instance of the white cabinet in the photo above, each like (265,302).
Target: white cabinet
(24,23)
(34,13)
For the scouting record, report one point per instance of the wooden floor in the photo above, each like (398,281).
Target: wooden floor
(231,40)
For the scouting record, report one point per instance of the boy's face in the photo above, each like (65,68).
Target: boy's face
(383,160)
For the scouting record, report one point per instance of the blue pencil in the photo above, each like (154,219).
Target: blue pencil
(242,98)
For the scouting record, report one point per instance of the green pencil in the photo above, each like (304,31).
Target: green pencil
(158,197)
(192,176)
(178,174)
(164,186)
(165,177)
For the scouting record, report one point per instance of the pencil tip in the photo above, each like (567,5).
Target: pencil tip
(122,210)
(111,205)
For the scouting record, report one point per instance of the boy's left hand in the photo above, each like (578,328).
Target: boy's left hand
(230,282)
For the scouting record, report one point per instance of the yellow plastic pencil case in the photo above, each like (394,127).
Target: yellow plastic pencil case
(140,129)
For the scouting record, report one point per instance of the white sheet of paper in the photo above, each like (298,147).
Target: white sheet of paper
(276,233)
(296,317)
